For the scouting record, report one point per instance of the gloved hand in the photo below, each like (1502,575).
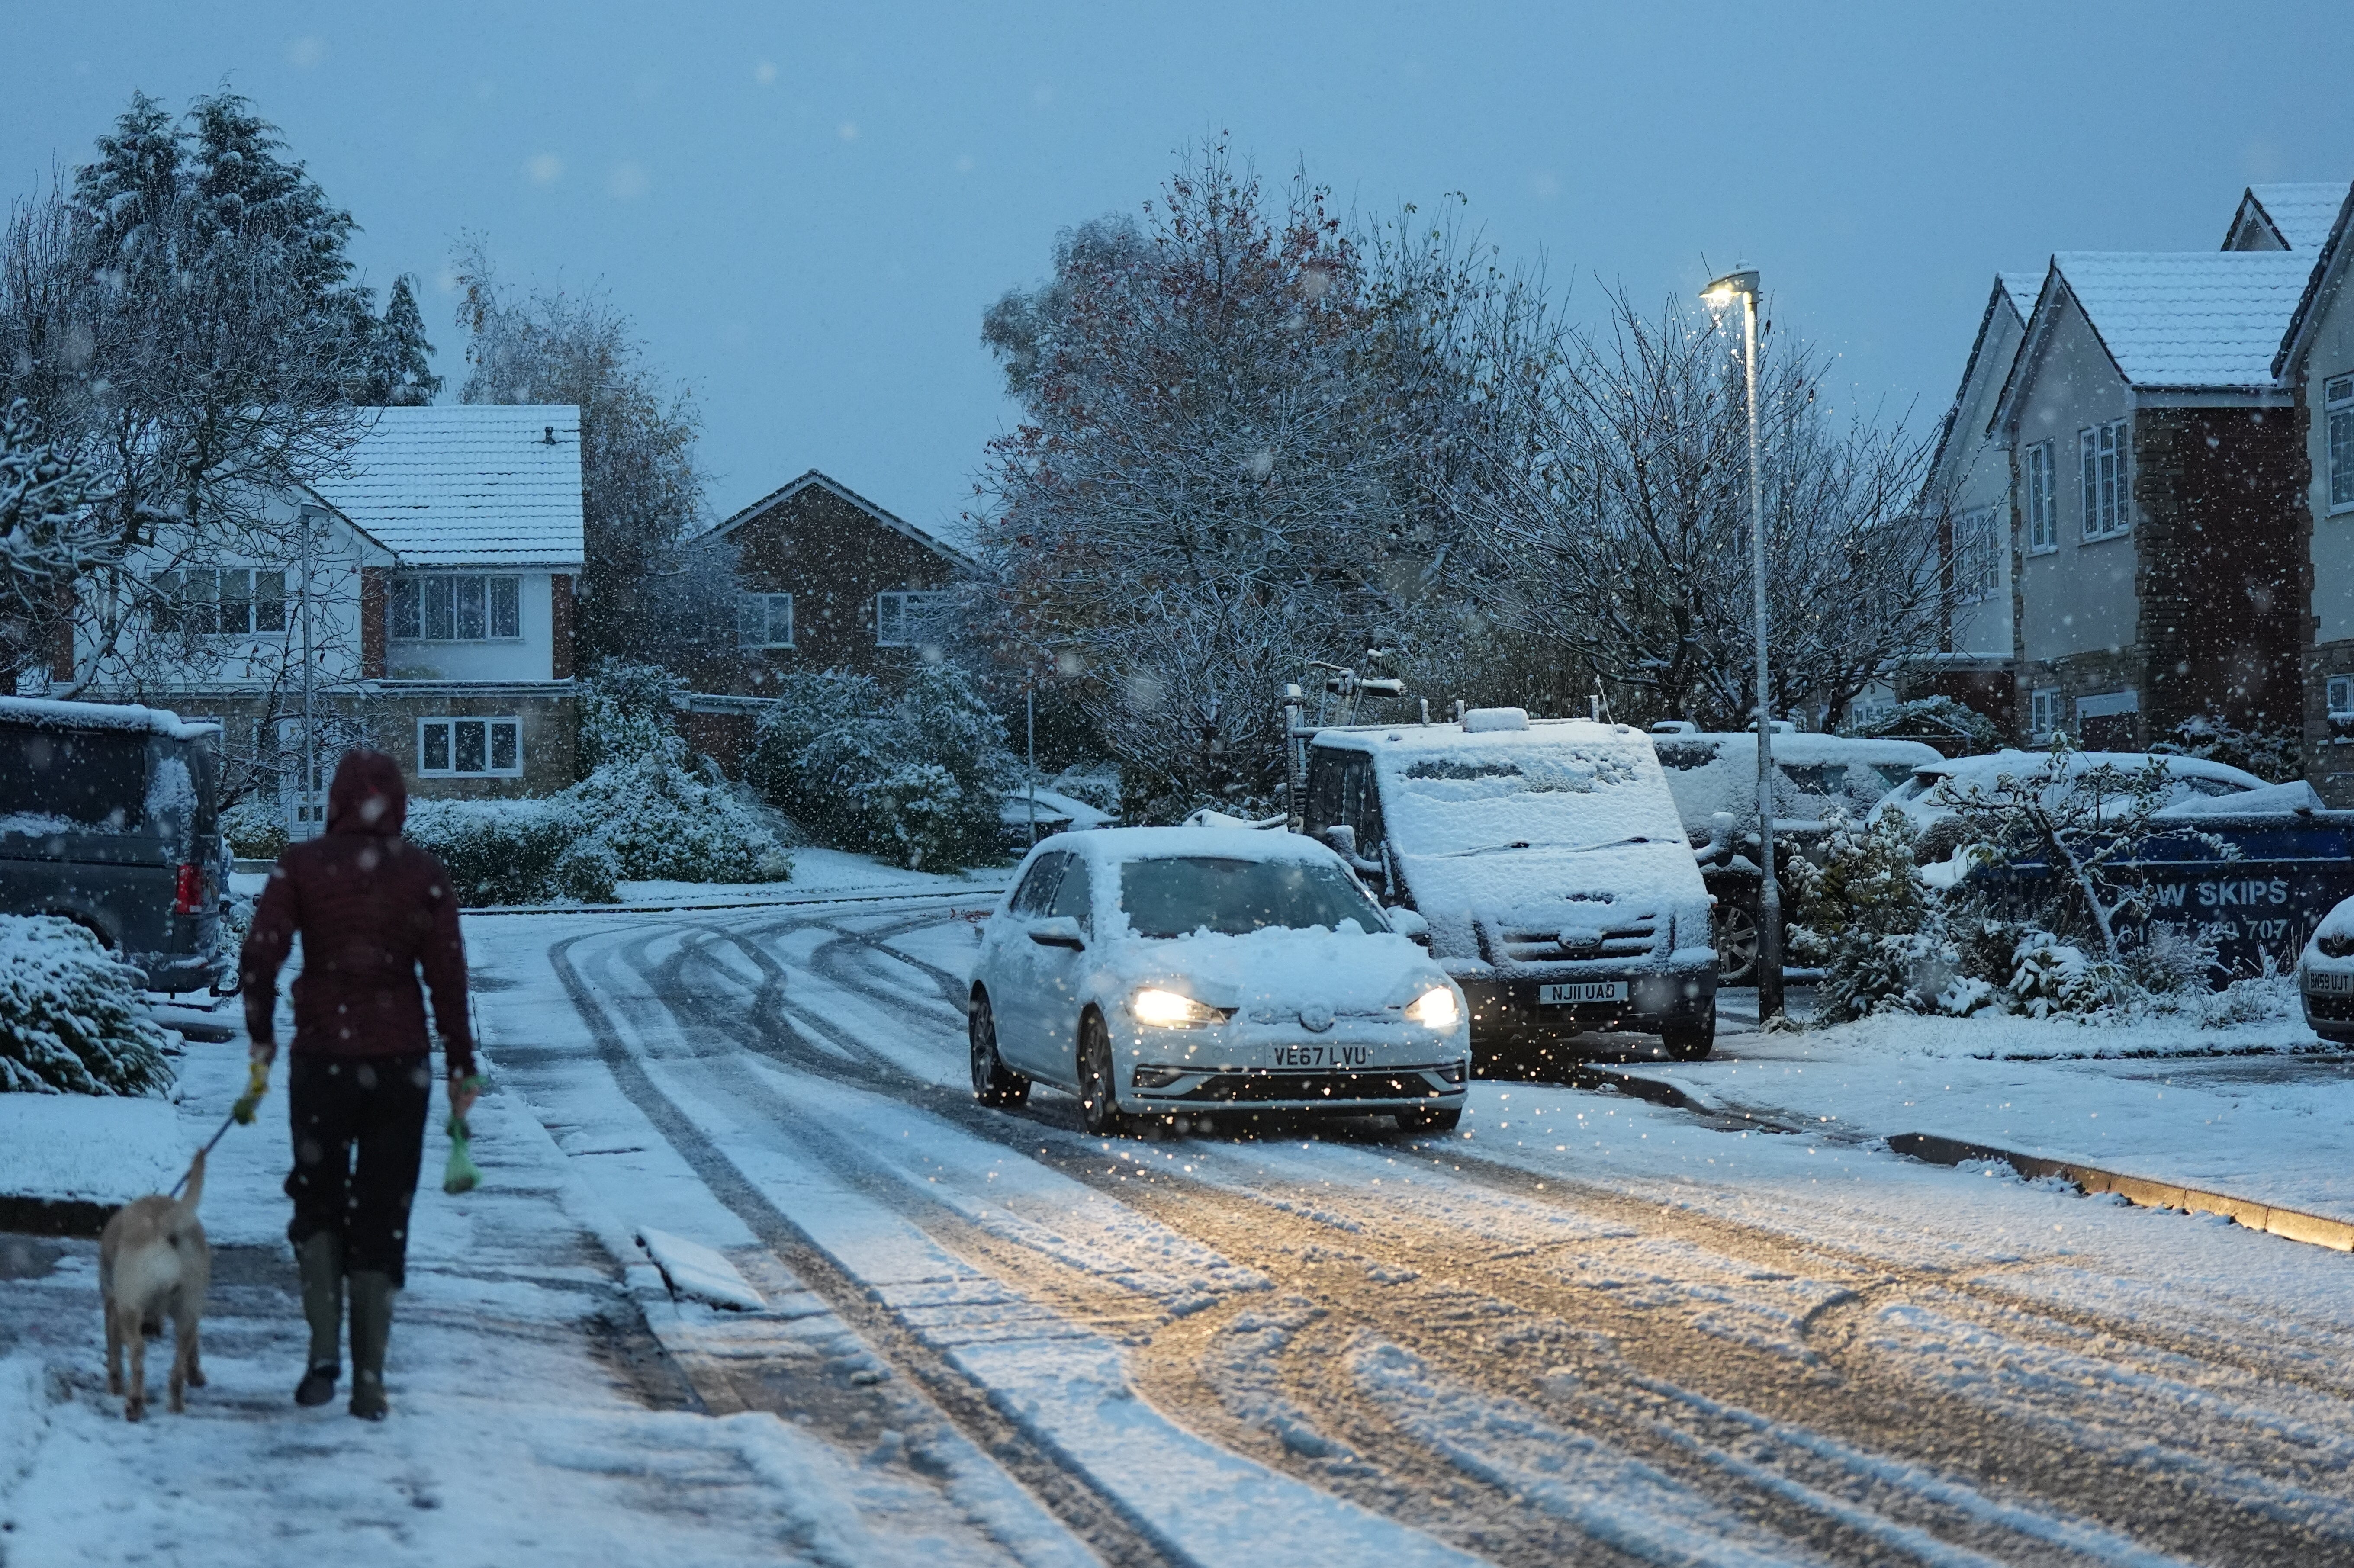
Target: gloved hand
(256,1083)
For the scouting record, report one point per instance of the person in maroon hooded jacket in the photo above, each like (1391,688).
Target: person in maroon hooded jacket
(372,910)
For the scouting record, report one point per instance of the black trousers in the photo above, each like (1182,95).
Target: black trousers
(372,1107)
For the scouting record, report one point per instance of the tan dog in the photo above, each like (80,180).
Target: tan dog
(154,1263)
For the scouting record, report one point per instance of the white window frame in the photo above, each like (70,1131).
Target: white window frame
(2338,433)
(2043,712)
(893,609)
(2104,479)
(420,588)
(2035,481)
(450,744)
(174,605)
(757,618)
(2339,692)
(1976,572)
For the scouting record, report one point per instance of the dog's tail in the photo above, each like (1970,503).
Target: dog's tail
(195,1181)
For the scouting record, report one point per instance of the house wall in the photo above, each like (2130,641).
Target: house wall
(833,558)
(2076,599)
(551,736)
(2328,745)
(2219,494)
(530,657)
(2330,353)
(1976,474)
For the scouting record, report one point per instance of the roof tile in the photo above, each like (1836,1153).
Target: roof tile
(466,483)
(2189,319)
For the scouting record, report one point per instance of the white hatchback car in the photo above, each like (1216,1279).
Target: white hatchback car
(1186,971)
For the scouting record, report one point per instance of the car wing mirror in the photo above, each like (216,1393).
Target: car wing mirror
(1061,931)
(1409,924)
(1342,839)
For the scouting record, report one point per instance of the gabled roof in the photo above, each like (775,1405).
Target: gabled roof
(2329,275)
(944,548)
(2286,217)
(2185,320)
(466,484)
(2014,291)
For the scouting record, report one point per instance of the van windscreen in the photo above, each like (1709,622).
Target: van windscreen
(88,779)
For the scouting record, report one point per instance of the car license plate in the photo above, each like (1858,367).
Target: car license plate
(1582,991)
(2325,980)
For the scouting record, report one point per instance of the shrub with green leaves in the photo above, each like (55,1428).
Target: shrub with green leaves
(917,777)
(661,820)
(71,1021)
(505,852)
(254,830)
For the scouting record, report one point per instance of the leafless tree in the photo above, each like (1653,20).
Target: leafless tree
(1616,524)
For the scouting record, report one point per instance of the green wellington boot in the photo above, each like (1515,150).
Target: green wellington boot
(371,1331)
(321,1262)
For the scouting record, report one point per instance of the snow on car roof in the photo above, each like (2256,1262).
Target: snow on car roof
(44,714)
(1229,843)
(2021,763)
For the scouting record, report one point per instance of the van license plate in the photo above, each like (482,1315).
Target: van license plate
(1582,991)
(2324,980)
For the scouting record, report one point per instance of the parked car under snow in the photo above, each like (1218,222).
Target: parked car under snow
(1714,777)
(2325,975)
(1193,971)
(1550,861)
(107,819)
(1928,797)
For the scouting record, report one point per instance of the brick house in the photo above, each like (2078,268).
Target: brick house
(429,586)
(826,579)
(2138,442)
(2158,506)
(2316,361)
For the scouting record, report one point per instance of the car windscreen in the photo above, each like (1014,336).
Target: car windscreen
(1572,794)
(1177,894)
(90,778)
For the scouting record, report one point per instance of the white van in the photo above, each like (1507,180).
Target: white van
(1547,858)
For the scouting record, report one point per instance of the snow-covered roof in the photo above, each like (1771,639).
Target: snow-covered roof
(466,484)
(2189,319)
(44,713)
(2020,285)
(2297,216)
(932,539)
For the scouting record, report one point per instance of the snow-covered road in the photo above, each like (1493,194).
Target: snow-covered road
(1582,1328)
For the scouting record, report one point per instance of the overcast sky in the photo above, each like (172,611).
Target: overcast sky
(807,209)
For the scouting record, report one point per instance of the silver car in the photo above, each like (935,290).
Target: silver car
(1166,973)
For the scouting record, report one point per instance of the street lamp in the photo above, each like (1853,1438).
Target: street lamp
(1719,294)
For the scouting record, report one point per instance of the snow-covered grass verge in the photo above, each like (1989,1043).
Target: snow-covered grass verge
(2251,1017)
(70,1015)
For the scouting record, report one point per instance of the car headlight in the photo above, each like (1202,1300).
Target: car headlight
(1168,1010)
(1434,1009)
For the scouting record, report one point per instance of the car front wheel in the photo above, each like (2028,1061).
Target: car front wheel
(993,1083)
(1098,1081)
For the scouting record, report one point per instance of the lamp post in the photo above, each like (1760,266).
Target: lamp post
(1743,284)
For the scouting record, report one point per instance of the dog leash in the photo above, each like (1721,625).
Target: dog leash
(257,1083)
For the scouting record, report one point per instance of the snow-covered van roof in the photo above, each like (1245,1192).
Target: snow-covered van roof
(466,484)
(2186,319)
(43,714)
(2293,216)
(1483,823)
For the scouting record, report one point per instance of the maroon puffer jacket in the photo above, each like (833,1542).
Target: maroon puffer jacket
(372,909)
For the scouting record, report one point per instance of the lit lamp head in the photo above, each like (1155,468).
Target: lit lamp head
(1730,287)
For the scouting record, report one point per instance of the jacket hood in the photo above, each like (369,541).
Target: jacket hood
(368,796)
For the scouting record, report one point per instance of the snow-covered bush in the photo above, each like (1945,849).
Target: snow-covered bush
(1896,972)
(661,820)
(1934,719)
(503,852)
(1097,784)
(916,778)
(254,830)
(2275,755)
(71,1018)
(1866,882)
(2051,977)
(626,713)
